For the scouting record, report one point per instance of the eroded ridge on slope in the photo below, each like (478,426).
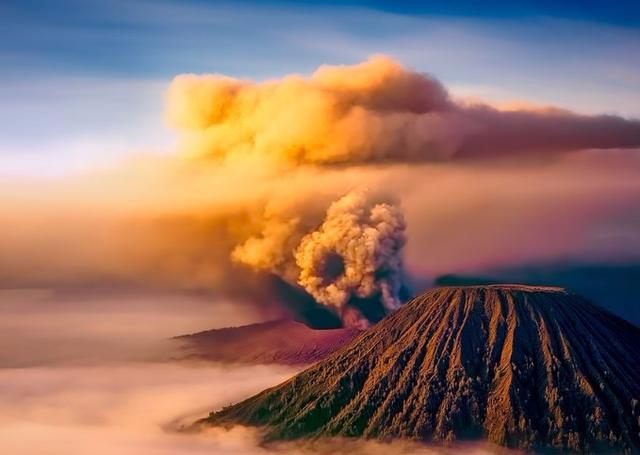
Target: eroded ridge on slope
(520,366)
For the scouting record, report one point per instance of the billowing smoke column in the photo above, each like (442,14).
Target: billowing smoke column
(356,251)
(354,255)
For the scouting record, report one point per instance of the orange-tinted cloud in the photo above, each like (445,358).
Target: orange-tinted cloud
(375,111)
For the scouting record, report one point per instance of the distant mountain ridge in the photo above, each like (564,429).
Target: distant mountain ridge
(520,366)
(282,341)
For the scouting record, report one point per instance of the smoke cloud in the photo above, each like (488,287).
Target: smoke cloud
(264,201)
(373,111)
(376,111)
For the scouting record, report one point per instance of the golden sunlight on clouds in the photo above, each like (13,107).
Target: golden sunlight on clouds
(371,112)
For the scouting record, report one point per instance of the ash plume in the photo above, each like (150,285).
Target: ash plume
(376,111)
(259,179)
(354,253)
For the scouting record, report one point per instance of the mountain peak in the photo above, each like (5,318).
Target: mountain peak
(521,366)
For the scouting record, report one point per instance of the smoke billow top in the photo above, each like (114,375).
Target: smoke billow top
(341,114)
(376,111)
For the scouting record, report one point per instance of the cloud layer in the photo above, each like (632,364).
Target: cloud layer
(136,409)
(123,403)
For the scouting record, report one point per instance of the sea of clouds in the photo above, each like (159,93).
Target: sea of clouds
(90,373)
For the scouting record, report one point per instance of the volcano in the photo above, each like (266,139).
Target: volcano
(520,366)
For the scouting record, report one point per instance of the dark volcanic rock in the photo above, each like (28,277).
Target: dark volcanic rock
(527,367)
(284,341)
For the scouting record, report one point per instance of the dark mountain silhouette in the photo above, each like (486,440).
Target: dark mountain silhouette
(284,341)
(528,367)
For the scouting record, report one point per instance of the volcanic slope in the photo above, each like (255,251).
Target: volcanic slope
(520,366)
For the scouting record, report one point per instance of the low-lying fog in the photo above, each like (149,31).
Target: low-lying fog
(86,372)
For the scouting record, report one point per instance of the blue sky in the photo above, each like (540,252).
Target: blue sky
(82,81)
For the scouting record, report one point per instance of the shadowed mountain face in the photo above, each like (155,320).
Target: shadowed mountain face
(527,367)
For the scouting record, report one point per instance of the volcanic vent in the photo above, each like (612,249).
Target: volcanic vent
(521,366)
